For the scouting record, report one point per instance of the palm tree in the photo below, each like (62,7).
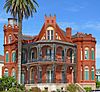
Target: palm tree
(20,9)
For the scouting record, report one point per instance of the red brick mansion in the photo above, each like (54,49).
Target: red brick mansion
(52,57)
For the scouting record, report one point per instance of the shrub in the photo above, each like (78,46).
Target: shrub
(98,84)
(88,89)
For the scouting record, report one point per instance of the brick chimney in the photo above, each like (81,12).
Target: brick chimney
(68,32)
(12,21)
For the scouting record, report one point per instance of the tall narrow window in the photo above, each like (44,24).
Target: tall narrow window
(14,73)
(6,72)
(40,75)
(63,54)
(63,75)
(7,56)
(92,52)
(50,33)
(5,39)
(32,55)
(22,78)
(32,75)
(23,57)
(48,53)
(81,74)
(86,73)
(9,39)
(92,73)
(13,56)
(86,53)
(81,54)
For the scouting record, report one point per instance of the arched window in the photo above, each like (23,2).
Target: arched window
(81,75)
(9,39)
(32,75)
(23,56)
(92,73)
(13,56)
(6,72)
(48,53)
(92,52)
(5,39)
(81,54)
(22,77)
(13,73)
(40,75)
(32,55)
(86,53)
(50,33)
(86,73)
(7,56)
(63,75)
(49,75)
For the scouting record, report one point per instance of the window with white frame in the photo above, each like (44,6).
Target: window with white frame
(50,33)
(6,72)
(9,39)
(5,39)
(86,73)
(92,73)
(86,53)
(13,73)
(7,56)
(13,56)
(92,52)
(81,54)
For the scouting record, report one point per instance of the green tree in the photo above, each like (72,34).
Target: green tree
(72,88)
(20,9)
(7,83)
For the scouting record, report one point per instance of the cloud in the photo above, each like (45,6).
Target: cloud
(74,8)
(94,25)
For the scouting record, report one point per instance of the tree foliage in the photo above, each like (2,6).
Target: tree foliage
(7,82)
(72,88)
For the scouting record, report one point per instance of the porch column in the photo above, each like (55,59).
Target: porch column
(38,52)
(28,54)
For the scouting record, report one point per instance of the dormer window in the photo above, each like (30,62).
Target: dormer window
(9,39)
(50,33)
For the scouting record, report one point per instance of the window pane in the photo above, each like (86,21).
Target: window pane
(14,56)
(7,57)
(92,74)
(6,72)
(48,34)
(86,74)
(92,54)
(51,34)
(86,54)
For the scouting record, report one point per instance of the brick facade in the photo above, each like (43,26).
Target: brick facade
(52,56)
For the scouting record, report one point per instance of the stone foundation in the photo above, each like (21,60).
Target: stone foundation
(50,86)
(92,85)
